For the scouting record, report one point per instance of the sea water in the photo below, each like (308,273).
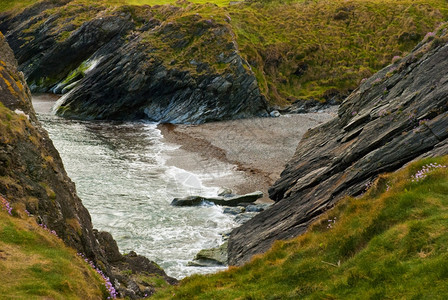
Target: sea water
(121,176)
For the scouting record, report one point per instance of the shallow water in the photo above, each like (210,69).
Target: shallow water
(120,174)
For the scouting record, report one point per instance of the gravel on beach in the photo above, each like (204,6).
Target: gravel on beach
(245,155)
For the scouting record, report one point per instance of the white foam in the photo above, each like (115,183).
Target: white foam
(190,182)
(121,175)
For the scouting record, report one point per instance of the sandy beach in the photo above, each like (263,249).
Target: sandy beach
(245,155)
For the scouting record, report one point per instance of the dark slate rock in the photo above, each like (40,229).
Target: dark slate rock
(234,210)
(132,79)
(220,200)
(211,257)
(24,160)
(396,116)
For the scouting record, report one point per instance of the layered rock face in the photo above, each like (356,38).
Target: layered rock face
(33,180)
(396,116)
(31,170)
(163,64)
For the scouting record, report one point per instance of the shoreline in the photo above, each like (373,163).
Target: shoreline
(245,155)
(250,154)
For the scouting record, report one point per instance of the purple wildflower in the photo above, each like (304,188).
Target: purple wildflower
(396,58)
(429,35)
(421,122)
(6,205)
(423,173)
(330,222)
(383,113)
(376,81)
(110,288)
(368,185)
(48,229)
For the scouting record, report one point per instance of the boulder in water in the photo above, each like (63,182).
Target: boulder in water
(224,191)
(211,257)
(224,201)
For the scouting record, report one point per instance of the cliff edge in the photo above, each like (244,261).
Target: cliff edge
(176,64)
(33,181)
(394,117)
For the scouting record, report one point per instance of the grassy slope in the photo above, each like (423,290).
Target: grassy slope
(334,43)
(297,49)
(33,262)
(36,264)
(390,243)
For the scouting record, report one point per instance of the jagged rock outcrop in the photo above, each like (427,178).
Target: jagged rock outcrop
(398,115)
(33,181)
(161,63)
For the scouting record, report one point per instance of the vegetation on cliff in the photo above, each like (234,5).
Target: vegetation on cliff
(394,117)
(33,183)
(390,242)
(321,49)
(34,263)
(296,49)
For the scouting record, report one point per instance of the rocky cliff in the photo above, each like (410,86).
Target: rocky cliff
(192,63)
(396,116)
(33,181)
(176,64)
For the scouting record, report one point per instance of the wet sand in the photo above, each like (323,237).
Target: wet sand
(246,155)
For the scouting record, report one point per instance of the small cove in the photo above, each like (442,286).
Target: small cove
(121,175)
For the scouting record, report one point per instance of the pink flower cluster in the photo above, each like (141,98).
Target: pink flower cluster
(48,229)
(6,205)
(330,222)
(429,35)
(110,288)
(376,81)
(396,58)
(420,175)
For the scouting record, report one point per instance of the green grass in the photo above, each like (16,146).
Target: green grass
(14,4)
(297,49)
(391,243)
(316,49)
(6,5)
(161,2)
(35,264)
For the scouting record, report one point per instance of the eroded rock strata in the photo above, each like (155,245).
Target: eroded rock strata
(159,63)
(33,180)
(396,116)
